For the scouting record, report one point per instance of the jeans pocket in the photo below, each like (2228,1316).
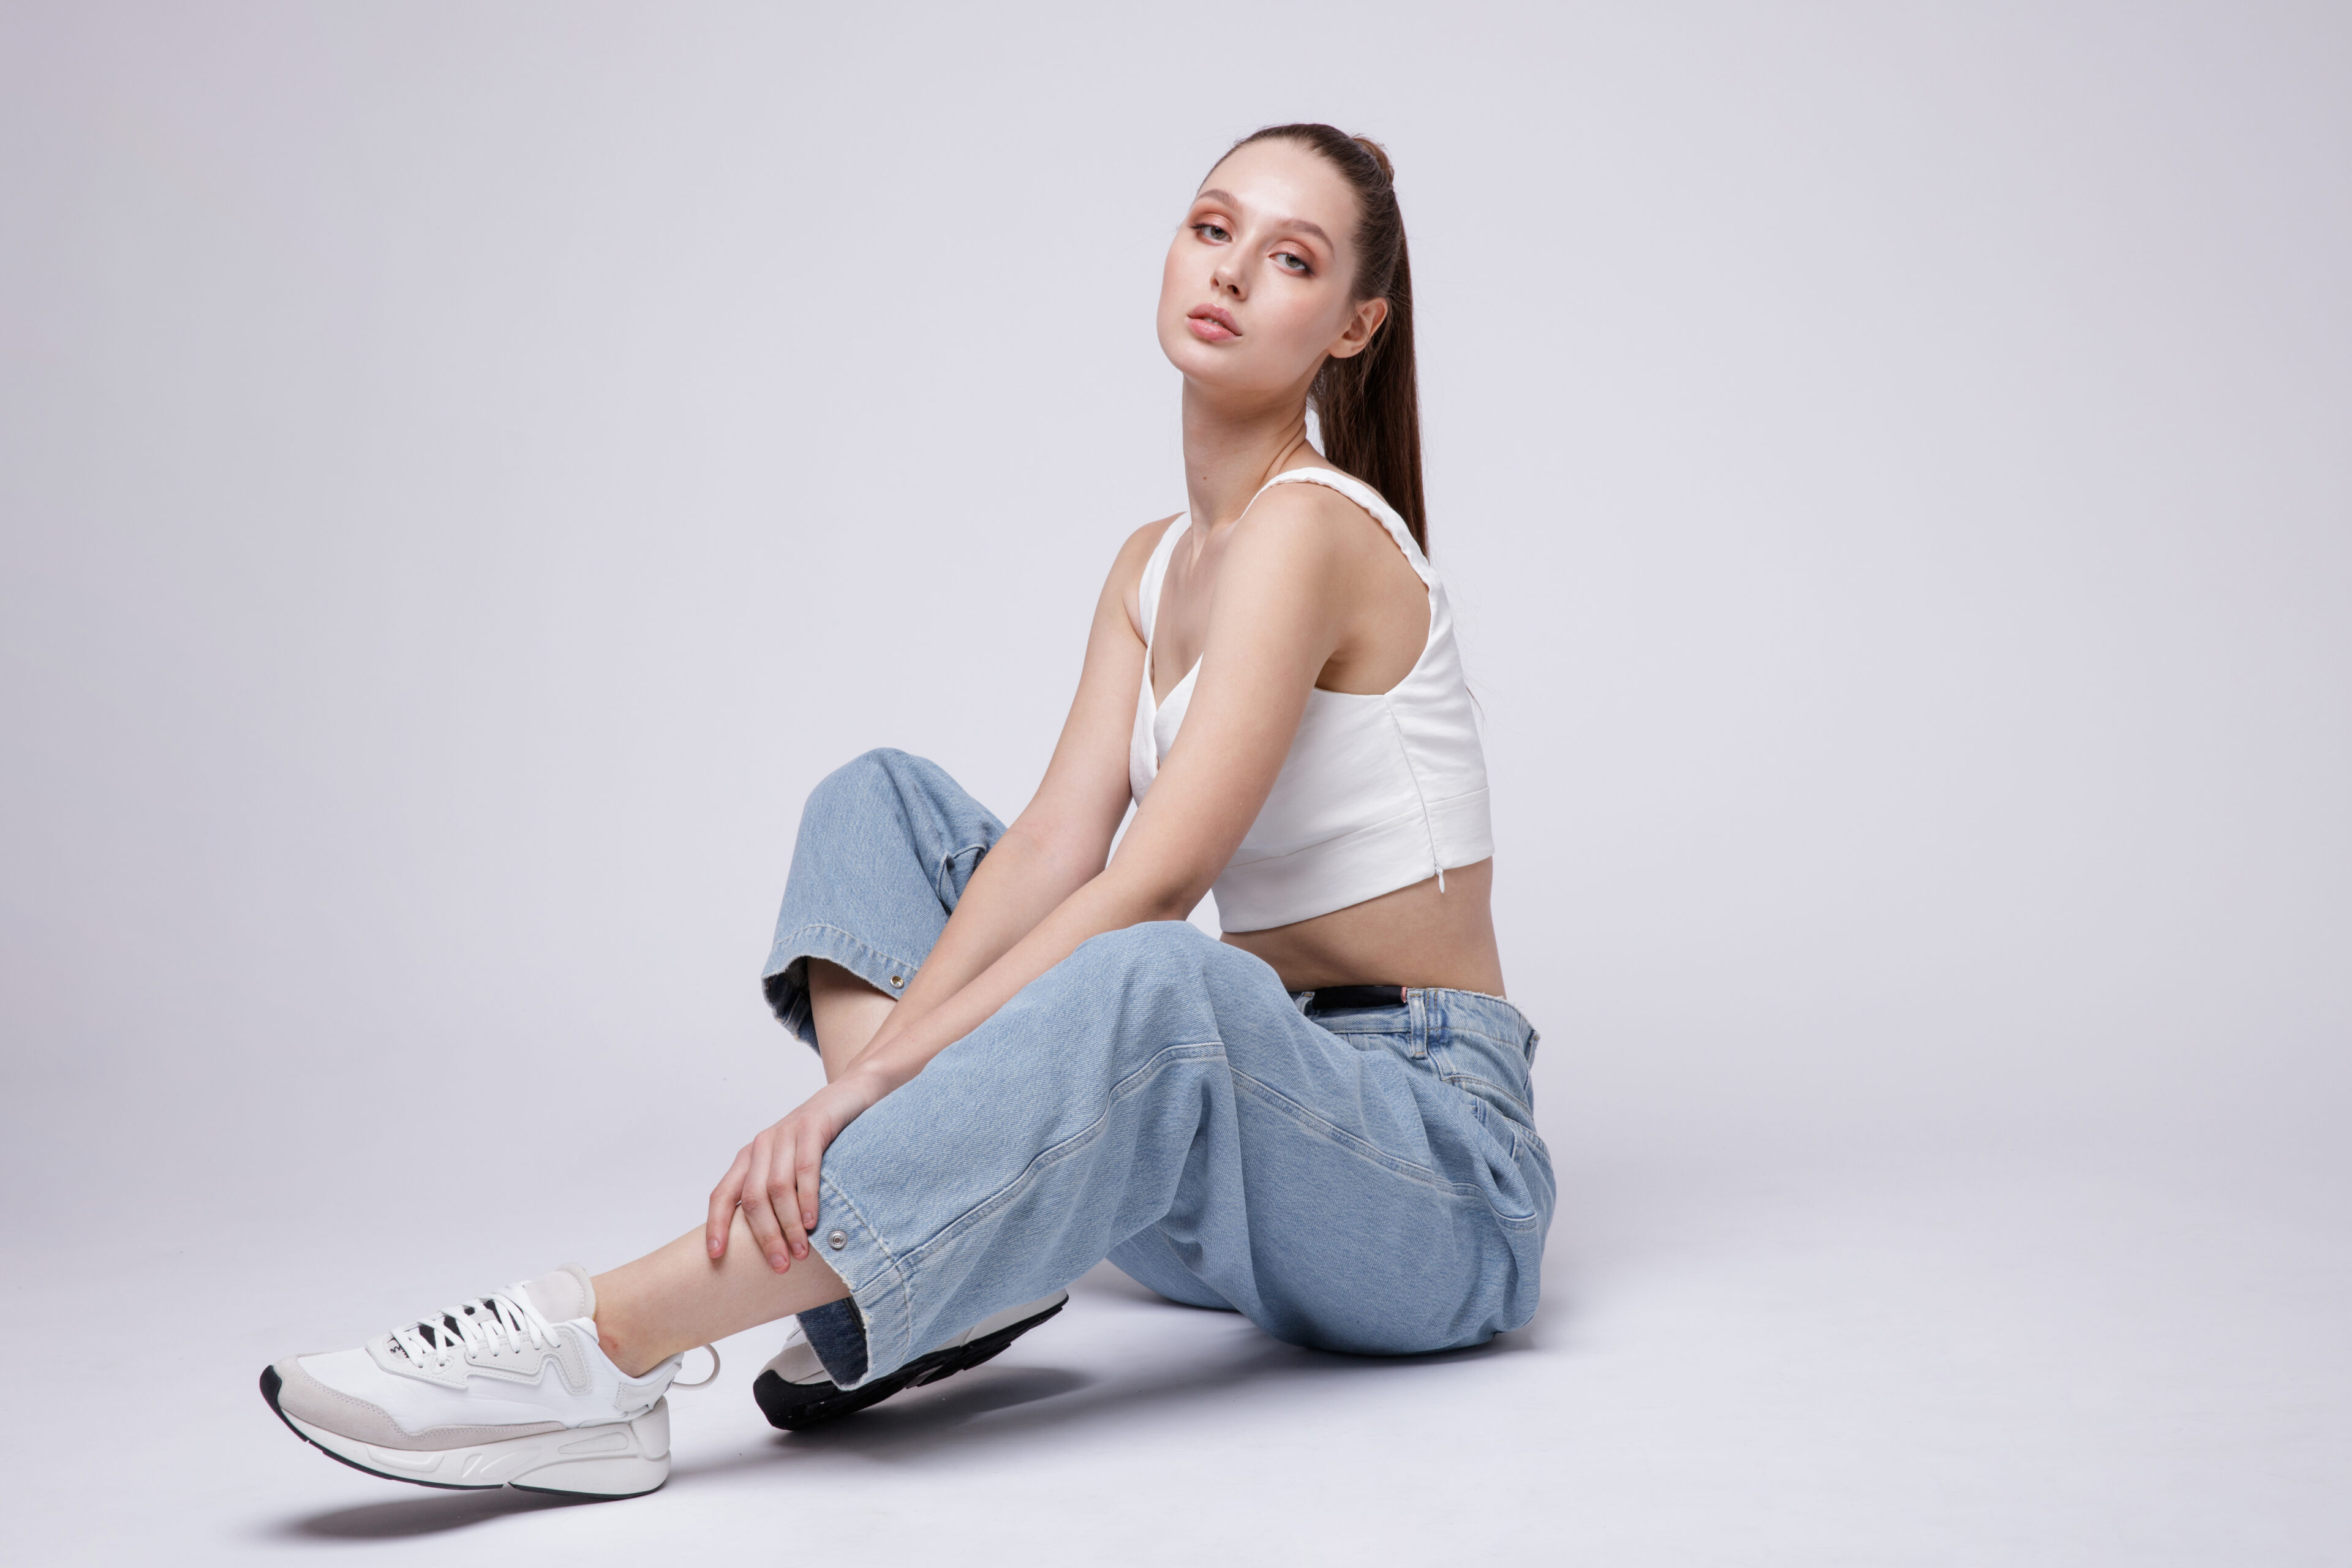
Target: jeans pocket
(1527,1141)
(1494,1070)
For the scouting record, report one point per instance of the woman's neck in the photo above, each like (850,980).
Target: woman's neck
(1230,450)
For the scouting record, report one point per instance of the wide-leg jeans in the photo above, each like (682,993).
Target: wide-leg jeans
(1367,1181)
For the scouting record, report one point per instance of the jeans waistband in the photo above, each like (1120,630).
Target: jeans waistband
(1422,1009)
(1479,1044)
(1348,998)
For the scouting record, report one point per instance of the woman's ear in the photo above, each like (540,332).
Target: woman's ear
(1358,335)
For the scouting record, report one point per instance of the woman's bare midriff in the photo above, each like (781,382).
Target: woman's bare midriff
(1414,936)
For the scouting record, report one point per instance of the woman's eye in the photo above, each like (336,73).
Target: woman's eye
(1212,231)
(1290,263)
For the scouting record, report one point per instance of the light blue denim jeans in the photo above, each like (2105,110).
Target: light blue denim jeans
(1367,1181)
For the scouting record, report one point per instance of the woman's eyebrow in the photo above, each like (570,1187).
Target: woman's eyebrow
(1300,224)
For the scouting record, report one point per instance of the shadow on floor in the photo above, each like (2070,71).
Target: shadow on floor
(425,1515)
(434,1512)
(1024,1400)
(1021,1399)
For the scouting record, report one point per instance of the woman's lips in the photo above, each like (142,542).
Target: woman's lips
(1212,325)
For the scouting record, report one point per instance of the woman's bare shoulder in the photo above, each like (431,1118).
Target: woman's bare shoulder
(1312,517)
(1127,572)
(1145,540)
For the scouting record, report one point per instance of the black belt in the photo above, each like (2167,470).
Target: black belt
(1340,999)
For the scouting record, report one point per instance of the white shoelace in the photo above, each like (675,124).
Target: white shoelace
(707,1378)
(500,1322)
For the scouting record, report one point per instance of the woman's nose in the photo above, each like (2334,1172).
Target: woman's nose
(1226,281)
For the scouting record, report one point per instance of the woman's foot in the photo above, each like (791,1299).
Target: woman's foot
(794,1391)
(508,1389)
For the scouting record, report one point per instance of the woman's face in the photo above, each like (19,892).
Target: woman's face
(1257,288)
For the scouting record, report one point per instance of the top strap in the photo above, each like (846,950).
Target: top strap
(1155,573)
(1364,496)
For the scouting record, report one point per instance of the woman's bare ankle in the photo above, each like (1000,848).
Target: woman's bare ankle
(676,1297)
(633,1350)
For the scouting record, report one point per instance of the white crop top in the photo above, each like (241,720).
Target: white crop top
(1379,790)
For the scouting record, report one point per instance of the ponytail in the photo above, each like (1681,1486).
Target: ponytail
(1369,406)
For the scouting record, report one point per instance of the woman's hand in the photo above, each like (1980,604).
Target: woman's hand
(774,1178)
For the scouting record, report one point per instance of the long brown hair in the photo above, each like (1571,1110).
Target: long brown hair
(1369,405)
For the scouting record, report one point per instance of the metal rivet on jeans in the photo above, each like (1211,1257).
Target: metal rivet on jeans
(837,1240)
(894,979)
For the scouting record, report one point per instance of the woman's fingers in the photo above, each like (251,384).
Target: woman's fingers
(774,1181)
(759,1213)
(723,1198)
(784,1195)
(811,1164)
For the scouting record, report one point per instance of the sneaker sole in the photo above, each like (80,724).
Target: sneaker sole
(624,1458)
(790,1407)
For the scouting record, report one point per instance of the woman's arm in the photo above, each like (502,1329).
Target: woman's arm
(1063,836)
(1275,622)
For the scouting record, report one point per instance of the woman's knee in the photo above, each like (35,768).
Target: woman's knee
(860,780)
(882,783)
(1119,999)
(1173,946)
(1166,958)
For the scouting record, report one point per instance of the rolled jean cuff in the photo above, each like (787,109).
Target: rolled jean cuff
(785,978)
(880,1291)
(837,1334)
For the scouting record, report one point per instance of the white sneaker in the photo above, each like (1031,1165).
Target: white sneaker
(508,1389)
(794,1391)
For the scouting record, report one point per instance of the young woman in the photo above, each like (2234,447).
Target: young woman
(1033,1062)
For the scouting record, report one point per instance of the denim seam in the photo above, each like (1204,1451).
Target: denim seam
(1464,1080)
(1439,1058)
(896,1271)
(889,964)
(1056,1153)
(1459,1032)
(1342,1138)
(1470,1083)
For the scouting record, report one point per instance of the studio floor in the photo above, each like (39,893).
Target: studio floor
(468,471)
(1939,1359)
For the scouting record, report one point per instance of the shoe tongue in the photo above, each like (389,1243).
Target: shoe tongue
(564,1295)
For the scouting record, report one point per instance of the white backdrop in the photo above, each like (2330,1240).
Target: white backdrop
(467,471)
